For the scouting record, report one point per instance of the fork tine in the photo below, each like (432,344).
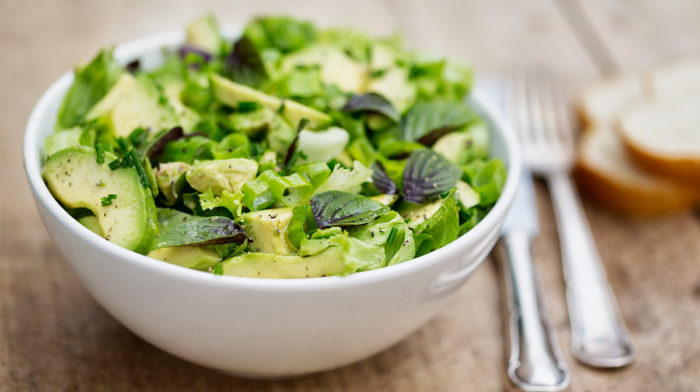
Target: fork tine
(563,118)
(549,104)
(517,106)
(537,108)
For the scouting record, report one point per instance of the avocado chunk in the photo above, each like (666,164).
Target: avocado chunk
(59,140)
(76,180)
(385,199)
(465,145)
(336,67)
(268,229)
(266,265)
(466,196)
(415,214)
(187,118)
(203,33)
(194,257)
(252,123)
(395,87)
(169,179)
(221,174)
(231,93)
(131,104)
(92,223)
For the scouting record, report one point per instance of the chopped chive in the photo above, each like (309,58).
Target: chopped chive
(100,151)
(107,200)
(248,106)
(138,136)
(115,164)
(138,165)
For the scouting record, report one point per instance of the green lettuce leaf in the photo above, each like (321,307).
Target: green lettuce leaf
(440,229)
(91,83)
(393,234)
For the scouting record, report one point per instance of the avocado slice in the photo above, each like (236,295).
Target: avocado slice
(59,140)
(395,87)
(221,174)
(266,265)
(92,223)
(76,180)
(268,229)
(466,196)
(231,93)
(131,104)
(194,257)
(203,33)
(385,199)
(187,118)
(336,66)
(467,144)
(415,214)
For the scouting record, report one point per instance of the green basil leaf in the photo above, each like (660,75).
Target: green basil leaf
(337,208)
(425,122)
(211,230)
(427,175)
(371,102)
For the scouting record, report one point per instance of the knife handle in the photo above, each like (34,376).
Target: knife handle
(534,363)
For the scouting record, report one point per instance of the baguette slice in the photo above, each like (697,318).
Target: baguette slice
(663,135)
(605,171)
(601,102)
(675,79)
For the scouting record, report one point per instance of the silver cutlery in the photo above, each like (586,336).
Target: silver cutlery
(599,337)
(534,360)
(534,363)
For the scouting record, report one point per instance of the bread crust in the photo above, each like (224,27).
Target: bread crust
(683,169)
(629,200)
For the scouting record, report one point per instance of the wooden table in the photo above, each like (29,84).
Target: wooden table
(54,337)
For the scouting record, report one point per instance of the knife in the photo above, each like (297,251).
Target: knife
(535,362)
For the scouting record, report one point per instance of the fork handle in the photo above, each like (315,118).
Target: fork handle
(534,362)
(599,337)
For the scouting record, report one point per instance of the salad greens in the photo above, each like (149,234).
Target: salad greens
(289,152)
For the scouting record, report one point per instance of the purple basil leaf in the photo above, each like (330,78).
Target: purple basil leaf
(371,102)
(158,145)
(133,66)
(292,149)
(425,122)
(427,175)
(187,49)
(337,208)
(244,64)
(381,179)
(213,230)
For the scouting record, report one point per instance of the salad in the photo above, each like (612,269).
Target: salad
(291,152)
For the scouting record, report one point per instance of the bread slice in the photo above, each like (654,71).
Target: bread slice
(676,78)
(601,102)
(605,171)
(662,134)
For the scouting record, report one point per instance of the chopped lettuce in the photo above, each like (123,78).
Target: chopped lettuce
(92,82)
(299,151)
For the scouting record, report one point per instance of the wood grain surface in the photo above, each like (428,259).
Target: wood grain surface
(54,337)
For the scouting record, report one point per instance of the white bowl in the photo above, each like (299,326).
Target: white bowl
(259,327)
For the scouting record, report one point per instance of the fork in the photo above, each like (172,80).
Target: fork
(599,337)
